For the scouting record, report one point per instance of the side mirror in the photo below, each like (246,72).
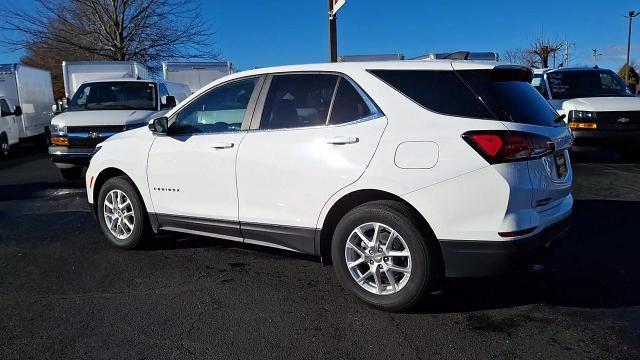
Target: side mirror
(168,102)
(632,88)
(159,125)
(17,110)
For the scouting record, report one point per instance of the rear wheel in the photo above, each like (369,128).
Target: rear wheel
(381,254)
(71,174)
(4,147)
(121,213)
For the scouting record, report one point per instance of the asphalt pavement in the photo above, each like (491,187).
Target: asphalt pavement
(65,293)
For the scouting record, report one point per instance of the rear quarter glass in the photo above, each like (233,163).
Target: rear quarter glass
(510,96)
(494,94)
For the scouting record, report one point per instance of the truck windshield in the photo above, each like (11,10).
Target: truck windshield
(586,83)
(116,95)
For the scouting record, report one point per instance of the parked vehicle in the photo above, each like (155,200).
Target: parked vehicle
(76,73)
(462,55)
(26,95)
(400,173)
(196,74)
(370,57)
(100,109)
(598,106)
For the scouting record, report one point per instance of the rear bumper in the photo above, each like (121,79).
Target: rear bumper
(585,140)
(470,258)
(71,156)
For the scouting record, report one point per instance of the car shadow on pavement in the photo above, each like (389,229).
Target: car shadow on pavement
(36,190)
(597,265)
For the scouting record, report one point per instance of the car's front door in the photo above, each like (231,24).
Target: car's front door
(309,141)
(192,169)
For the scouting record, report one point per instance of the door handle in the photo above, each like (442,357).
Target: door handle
(222,145)
(343,140)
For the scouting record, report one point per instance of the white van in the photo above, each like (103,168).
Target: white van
(100,109)
(196,74)
(601,111)
(26,95)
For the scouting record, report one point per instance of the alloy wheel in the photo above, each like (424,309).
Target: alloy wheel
(378,258)
(118,214)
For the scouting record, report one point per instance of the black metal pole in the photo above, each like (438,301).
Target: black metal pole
(333,38)
(626,74)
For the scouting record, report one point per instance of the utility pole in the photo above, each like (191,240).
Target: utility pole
(565,61)
(333,36)
(632,14)
(595,56)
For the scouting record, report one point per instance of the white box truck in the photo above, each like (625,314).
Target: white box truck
(195,74)
(26,95)
(75,73)
(106,98)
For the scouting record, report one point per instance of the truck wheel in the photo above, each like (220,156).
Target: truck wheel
(71,174)
(4,147)
(382,254)
(121,213)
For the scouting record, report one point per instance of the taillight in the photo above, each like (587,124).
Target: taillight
(498,146)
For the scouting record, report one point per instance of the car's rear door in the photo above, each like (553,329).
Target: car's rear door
(312,135)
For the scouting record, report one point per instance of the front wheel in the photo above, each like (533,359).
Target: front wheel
(121,213)
(382,255)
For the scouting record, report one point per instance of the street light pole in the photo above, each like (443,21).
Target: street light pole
(333,38)
(632,14)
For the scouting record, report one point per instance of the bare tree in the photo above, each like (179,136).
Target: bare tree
(520,57)
(147,31)
(544,49)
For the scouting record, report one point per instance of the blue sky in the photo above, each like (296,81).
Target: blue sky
(265,33)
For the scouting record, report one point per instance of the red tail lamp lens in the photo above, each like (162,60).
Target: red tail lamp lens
(498,146)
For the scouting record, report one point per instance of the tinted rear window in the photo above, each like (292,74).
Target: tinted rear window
(510,96)
(439,91)
(497,94)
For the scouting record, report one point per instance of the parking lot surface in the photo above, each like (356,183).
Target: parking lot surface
(65,293)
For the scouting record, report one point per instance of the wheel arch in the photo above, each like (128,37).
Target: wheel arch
(109,173)
(350,201)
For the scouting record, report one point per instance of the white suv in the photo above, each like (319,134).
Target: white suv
(399,173)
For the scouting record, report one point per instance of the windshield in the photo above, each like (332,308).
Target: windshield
(586,83)
(116,95)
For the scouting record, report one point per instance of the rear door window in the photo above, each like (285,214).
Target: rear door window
(439,91)
(298,100)
(348,104)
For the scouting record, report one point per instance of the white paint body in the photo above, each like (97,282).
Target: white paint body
(596,104)
(76,73)
(293,177)
(31,89)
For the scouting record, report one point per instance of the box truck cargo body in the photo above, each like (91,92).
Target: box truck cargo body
(195,74)
(75,73)
(31,90)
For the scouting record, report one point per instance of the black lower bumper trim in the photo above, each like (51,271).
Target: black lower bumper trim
(69,155)
(471,258)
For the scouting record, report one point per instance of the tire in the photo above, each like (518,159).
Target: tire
(423,260)
(121,237)
(71,174)
(4,147)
